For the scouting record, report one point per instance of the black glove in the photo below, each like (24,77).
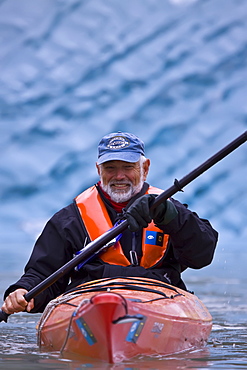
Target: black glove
(164,213)
(139,215)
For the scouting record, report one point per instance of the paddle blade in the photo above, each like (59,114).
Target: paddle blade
(3,316)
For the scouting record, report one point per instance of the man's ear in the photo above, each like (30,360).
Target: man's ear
(146,166)
(98,168)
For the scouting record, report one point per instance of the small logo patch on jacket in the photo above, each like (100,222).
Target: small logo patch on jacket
(154,238)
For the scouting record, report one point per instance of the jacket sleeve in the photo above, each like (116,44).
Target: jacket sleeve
(60,239)
(193,239)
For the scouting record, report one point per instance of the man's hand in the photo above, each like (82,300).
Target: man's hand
(164,213)
(15,302)
(139,215)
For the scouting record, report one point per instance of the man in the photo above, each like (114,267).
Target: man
(158,244)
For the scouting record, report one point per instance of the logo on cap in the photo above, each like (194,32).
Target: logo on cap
(118,142)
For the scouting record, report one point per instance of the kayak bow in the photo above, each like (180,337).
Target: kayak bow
(116,319)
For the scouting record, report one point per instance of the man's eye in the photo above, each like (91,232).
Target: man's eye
(109,168)
(128,167)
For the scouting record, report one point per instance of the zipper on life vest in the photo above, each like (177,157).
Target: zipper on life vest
(133,254)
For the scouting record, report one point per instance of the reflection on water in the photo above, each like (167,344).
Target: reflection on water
(227,345)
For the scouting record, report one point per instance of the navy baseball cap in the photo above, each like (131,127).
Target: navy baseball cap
(120,146)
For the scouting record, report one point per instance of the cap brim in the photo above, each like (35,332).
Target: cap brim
(119,156)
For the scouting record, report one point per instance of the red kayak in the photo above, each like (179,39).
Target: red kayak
(116,319)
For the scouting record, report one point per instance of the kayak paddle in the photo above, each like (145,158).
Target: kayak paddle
(101,242)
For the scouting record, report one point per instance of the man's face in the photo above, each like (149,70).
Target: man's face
(122,180)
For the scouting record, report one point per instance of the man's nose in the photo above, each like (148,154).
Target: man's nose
(120,174)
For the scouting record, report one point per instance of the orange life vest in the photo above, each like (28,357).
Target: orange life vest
(97,221)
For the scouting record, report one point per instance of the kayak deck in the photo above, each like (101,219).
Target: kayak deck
(115,319)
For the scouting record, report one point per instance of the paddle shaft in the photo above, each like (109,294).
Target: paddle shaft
(96,245)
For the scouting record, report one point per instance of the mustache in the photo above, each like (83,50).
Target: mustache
(112,182)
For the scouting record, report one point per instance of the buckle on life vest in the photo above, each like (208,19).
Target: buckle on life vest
(133,258)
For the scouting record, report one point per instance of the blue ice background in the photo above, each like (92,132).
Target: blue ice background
(172,72)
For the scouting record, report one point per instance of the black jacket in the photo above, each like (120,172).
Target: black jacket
(191,244)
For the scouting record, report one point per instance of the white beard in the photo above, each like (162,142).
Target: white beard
(122,196)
